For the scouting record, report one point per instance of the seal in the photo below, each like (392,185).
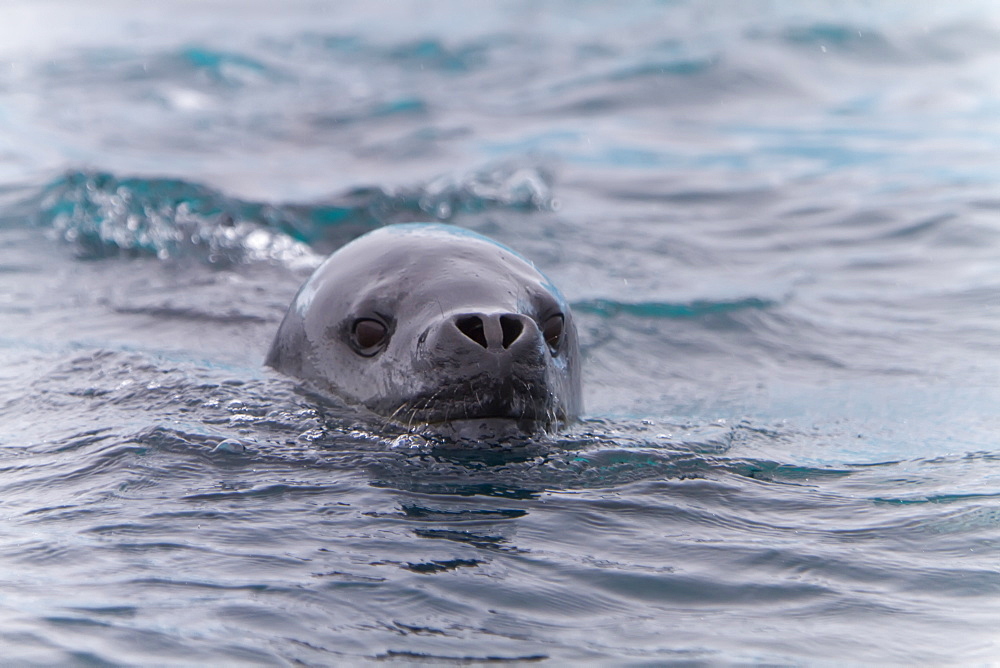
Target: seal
(435,325)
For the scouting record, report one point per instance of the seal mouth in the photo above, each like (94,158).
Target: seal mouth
(527,407)
(528,420)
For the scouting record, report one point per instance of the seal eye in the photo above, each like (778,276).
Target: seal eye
(368,335)
(552,330)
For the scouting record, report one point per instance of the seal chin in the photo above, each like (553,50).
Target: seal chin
(491,429)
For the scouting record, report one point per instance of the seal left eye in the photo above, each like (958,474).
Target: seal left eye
(369,334)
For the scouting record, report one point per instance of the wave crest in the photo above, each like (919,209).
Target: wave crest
(105,215)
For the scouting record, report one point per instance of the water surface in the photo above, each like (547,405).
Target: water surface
(778,227)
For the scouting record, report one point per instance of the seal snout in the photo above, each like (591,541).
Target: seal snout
(495,332)
(483,364)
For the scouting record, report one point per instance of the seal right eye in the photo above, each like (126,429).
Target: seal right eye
(552,330)
(368,335)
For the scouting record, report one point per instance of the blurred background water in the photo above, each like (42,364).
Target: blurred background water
(778,223)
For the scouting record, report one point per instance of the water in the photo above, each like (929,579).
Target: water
(778,225)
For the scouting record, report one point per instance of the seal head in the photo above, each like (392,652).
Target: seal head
(432,324)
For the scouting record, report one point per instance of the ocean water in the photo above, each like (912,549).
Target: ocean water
(778,225)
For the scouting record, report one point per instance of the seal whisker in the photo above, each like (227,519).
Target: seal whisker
(391,418)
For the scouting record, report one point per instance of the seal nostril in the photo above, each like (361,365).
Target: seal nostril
(472,327)
(511,328)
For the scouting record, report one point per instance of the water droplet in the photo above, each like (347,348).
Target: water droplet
(230,445)
(409,442)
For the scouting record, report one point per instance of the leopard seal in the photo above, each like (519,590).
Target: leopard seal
(432,325)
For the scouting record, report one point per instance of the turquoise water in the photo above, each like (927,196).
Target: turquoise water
(779,226)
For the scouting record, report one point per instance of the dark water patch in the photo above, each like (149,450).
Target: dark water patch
(674,83)
(922,227)
(937,498)
(166,312)
(453,484)
(432,53)
(465,537)
(451,57)
(853,40)
(284,490)
(199,65)
(592,468)
(753,197)
(987,204)
(410,105)
(118,611)
(338,43)
(683,67)
(424,514)
(20,269)
(892,45)
(780,472)
(108,458)
(223,67)
(42,553)
(85,439)
(420,657)
(607,308)
(407,629)
(698,591)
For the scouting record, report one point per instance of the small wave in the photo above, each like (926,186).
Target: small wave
(105,215)
(588,458)
(438,55)
(225,67)
(849,39)
(232,316)
(191,64)
(943,43)
(449,56)
(607,308)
